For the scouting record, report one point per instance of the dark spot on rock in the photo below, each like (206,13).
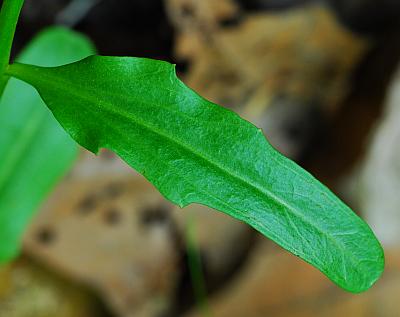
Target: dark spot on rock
(45,235)
(112,217)
(187,10)
(232,21)
(154,216)
(87,205)
(112,190)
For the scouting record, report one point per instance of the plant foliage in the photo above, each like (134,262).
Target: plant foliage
(35,152)
(194,151)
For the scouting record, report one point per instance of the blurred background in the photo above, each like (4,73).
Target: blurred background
(319,77)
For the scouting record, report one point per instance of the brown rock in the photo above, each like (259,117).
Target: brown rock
(28,290)
(112,233)
(276,283)
(270,67)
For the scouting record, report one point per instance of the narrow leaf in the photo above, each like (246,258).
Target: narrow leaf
(195,151)
(35,152)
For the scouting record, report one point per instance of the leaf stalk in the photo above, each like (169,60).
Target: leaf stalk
(9,15)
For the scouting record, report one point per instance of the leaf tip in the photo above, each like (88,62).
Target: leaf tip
(371,277)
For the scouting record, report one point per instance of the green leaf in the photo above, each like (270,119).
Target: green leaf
(195,151)
(35,152)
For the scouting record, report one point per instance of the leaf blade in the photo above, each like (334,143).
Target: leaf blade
(35,152)
(196,151)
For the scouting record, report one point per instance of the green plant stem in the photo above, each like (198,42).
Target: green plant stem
(195,268)
(9,14)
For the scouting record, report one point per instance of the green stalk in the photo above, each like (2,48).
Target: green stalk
(195,268)
(9,15)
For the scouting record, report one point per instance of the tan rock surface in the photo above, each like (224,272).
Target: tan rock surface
(275,283)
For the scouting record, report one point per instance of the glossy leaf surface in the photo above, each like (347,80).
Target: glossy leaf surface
(195,151)
(34,150)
